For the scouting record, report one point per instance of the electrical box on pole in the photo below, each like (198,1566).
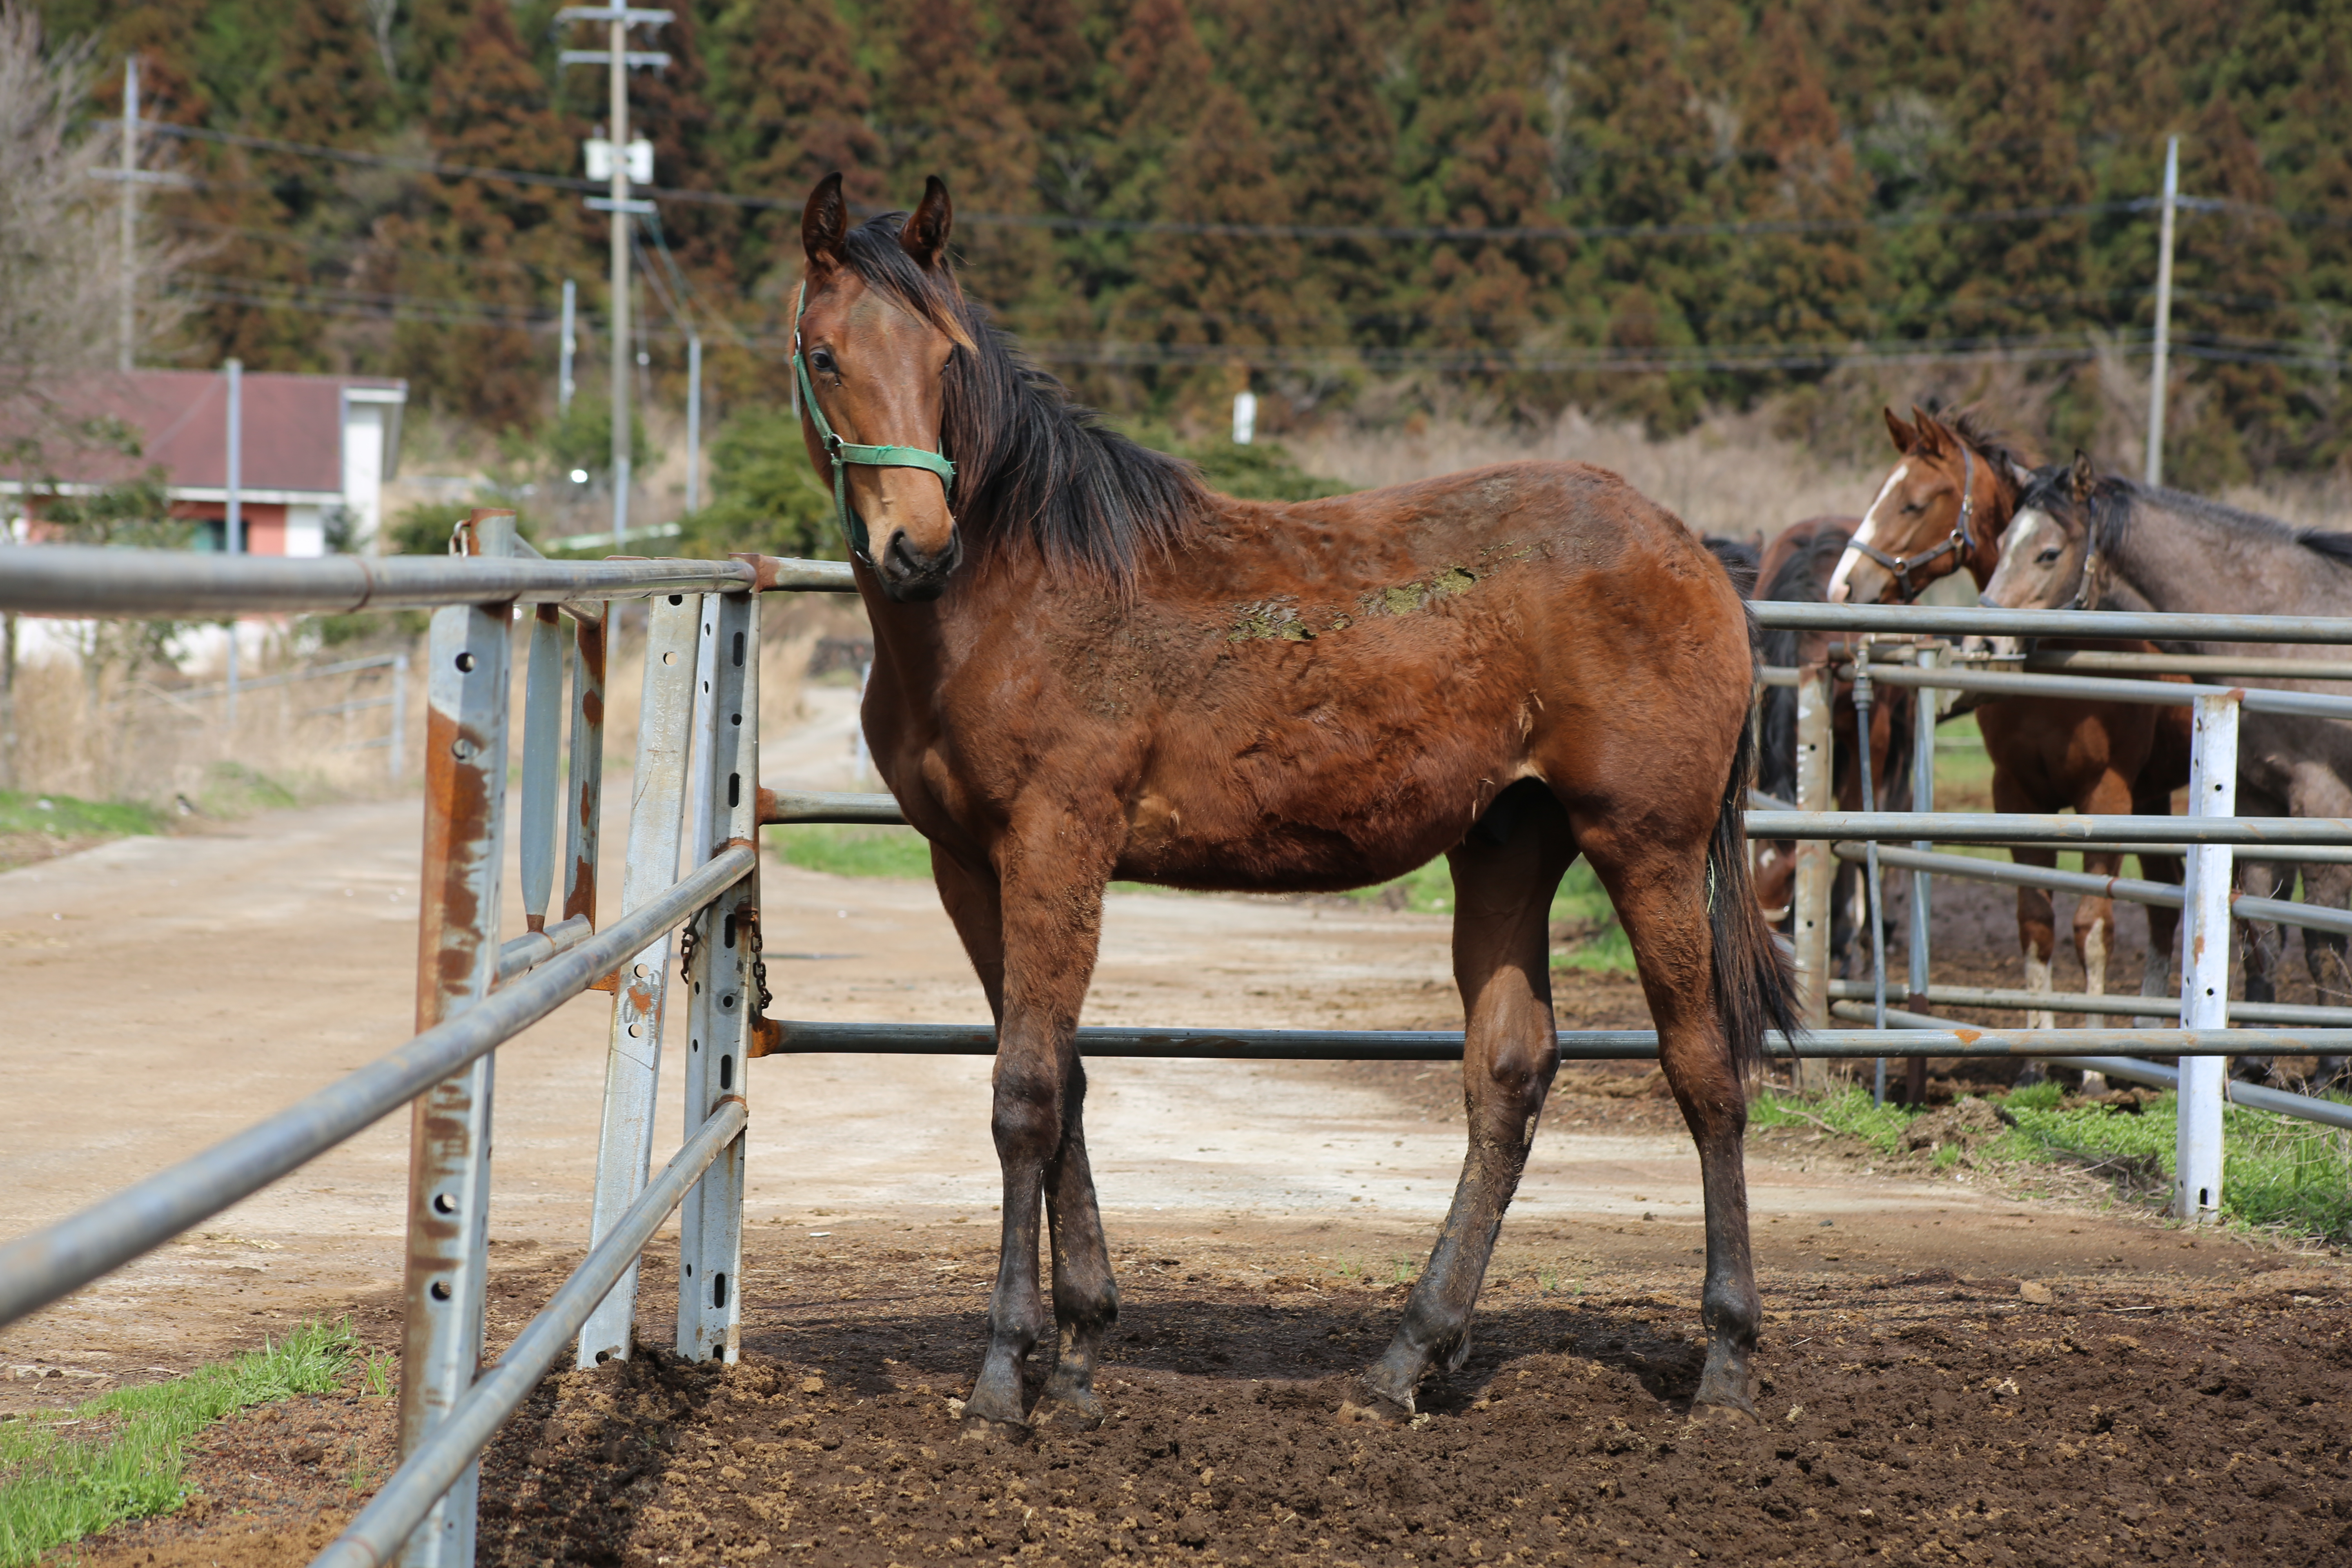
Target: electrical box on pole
(618,59)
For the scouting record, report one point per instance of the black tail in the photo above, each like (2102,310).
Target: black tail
(1755,985)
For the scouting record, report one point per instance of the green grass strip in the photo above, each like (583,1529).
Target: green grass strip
(2277,1173)
(59,1484)
(63,816)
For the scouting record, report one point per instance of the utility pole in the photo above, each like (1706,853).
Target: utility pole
(693,421)
(2155,469)
(564,386)
(618,58)
(234,531)
(129,212)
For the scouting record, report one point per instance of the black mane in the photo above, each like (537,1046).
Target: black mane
(1994,445)
(1032,466)
(1803,578)
(2114,503)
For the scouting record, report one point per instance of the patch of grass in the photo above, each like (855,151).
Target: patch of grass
(849,851)
(1847,1111)
(59,1483)
(63,816)
(2277,1174)
(232,789)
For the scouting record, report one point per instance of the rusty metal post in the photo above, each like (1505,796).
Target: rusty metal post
(1816,869)
(542,723)
(585,797)
(727,980)
(456,956)
(633,1061)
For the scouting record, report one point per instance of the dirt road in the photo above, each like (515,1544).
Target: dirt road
(171,990)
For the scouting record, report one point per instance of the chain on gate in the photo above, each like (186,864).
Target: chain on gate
(746,919)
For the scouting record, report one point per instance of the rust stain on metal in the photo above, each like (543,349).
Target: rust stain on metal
(764,569)
(457,837)
(767,1038)
(534,923)
(772,810)
(1968,1036)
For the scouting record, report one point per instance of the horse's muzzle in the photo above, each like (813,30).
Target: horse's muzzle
(913,577)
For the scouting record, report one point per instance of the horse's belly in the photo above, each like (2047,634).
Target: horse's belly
(1356,830)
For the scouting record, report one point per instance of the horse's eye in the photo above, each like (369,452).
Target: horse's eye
(1912,508)
(822,359)
(2048,556)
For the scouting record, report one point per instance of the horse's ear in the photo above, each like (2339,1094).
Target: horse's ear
(1903,434)
(925,238)
(1927,431)
(2086,477)
(824,223)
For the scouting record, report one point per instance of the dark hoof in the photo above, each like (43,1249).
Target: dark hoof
(1076,1406)
(981,1430)
(1726,1417)
(1372,1408)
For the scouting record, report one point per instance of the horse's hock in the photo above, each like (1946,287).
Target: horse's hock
(696,778)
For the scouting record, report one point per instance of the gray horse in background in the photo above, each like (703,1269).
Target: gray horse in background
(2086,540)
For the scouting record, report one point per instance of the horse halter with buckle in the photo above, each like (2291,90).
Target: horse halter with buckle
(843,453)
(1962,542)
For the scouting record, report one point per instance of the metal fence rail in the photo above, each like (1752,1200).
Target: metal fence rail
(695,787)
(697,783)
(60,1260)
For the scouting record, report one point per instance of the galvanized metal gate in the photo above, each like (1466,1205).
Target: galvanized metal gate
(691,863)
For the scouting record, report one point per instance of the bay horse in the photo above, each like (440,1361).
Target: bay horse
(1945,508)
(1796,567)
(1090,666)
(2086,539)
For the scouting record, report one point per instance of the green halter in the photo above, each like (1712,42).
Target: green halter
(843,453)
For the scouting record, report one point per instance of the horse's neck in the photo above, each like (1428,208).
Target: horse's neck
(2172,559)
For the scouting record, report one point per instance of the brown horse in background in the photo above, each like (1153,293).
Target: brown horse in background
(1944,509)
(1088,666)
(1796,565)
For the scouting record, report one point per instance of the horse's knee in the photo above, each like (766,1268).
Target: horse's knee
(1025,1117)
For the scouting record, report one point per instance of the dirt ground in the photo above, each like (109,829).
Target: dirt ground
(1950,1370)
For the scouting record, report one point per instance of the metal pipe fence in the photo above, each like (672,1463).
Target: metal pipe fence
(696,798)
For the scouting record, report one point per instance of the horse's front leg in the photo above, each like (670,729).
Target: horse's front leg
(1049,902)
(1502,962)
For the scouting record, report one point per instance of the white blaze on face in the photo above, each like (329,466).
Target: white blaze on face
(2030,531)
(1866,534)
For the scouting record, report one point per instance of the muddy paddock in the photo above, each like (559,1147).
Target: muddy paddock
(2183,1403)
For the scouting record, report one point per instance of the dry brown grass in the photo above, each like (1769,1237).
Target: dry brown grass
(1729,475)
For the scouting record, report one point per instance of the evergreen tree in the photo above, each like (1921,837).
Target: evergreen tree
(1315,68)
(1477,158)
(496,245)
(1215,303)
(1807,288)
(943,112)
(2236,279)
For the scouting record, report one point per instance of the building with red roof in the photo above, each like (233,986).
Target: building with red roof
(316,451)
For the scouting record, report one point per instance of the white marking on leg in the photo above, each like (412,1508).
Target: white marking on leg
(2095,968)
(2037,980)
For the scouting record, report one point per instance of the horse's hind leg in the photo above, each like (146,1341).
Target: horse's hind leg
(1501,893)
(1086,1297)
(1661,892)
